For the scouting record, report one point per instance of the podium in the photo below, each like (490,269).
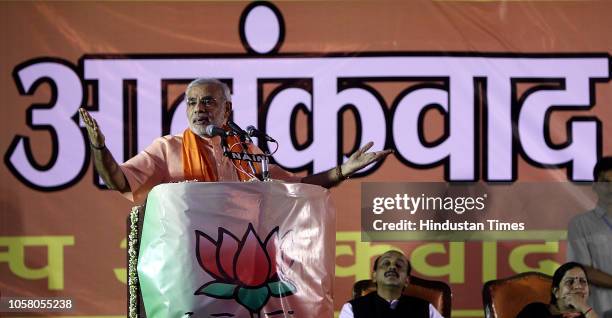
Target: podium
(253,249)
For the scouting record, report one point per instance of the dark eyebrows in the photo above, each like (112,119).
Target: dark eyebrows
(384,258)
(399,260)
(202,97)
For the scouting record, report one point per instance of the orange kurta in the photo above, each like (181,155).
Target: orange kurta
(162,162)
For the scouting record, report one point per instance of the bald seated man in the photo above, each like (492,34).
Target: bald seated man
(391,275)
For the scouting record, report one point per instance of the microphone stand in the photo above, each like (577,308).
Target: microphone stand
(265,168)
(245,148)
(244,137)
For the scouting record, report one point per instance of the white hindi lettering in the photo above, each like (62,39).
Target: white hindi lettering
(67,162)
(450,83)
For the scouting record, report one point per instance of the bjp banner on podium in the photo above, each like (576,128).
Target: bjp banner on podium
(240,249)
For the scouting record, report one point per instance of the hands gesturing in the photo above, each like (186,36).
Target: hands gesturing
(362,158)
(96,137)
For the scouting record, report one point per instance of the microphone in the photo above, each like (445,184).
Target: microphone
(238,131)
(236,128)
(213,131)
(244,137)
(253,132)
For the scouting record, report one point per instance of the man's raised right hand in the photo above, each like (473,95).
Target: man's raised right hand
(96,137)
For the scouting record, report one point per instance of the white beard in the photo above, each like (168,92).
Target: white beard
(198,130)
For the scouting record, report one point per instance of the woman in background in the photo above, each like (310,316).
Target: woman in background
(570,291)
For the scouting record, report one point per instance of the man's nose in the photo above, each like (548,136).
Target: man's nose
(199,107)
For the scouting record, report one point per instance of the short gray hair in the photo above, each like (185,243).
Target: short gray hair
(208,81)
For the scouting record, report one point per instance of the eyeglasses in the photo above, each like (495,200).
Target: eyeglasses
(207,101)
(571,280)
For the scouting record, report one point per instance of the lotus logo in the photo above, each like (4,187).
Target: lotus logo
(243,269)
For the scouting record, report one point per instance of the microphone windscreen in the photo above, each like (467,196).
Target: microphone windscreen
(213,130)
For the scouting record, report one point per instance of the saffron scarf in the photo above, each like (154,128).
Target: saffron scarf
(197,166)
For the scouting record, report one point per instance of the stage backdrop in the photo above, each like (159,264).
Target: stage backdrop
(490,91)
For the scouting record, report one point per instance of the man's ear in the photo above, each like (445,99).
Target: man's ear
(374,277)
(228,109)
(407,282)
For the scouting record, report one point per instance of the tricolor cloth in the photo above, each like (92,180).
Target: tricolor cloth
(241,249)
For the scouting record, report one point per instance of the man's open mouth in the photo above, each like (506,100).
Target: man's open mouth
(200,120)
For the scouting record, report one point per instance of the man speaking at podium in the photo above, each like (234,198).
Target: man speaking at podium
(196,154)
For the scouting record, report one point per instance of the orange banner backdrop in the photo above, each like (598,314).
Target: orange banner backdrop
(462,91)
